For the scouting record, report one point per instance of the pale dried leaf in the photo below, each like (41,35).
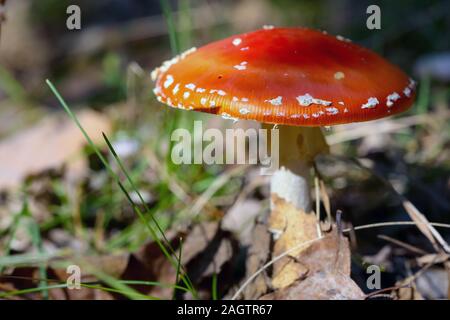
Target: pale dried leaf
(288,271)
(407,291)
(240,219)
(258,254)
(433,283)
(296,226)
(198,240)
(320,286)
(330,254)
(25,153)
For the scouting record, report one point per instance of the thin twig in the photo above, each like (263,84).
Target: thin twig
(402,244)
(326,201)
(394,223)
(380,292)
(2,14)
(427,229)
(316,188)
(423,224)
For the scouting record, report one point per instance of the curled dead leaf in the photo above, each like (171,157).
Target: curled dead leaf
(320,285)
(24,154)
(319,270)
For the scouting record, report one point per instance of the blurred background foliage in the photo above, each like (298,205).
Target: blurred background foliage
(105,67)
(115,33)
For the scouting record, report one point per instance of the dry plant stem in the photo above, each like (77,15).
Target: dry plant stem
(297,149)
(2,14)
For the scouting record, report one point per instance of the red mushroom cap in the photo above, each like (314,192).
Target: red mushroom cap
(291,76)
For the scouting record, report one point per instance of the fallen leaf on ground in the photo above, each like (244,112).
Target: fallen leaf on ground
(48,145)
(297,227)
(319,270)
(258,254)
(240,219)
(319,286)
(206,250)
(407,290)
(150,264)
(433,284)
(209,251)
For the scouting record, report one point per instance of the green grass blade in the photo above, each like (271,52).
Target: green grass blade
(176,262)
(84,285)
(173,37)
(177,278)
(184,24)
(423,99)
(134,187)
(14,226)
(123,189)
(214,287)
(37,243)
(13,293)
(118,285)
(25,259)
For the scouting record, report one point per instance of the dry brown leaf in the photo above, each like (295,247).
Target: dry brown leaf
(323,264)
(150,264)
(240,219)
(433,283)
(209,250)
(297,227)
(319,286)
(25,153)
(407,291)
(258,254)
(288,271)
(112,265)
(206,250)
(330,254)
(198,239)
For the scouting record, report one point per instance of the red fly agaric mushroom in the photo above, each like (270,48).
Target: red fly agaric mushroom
(298,78)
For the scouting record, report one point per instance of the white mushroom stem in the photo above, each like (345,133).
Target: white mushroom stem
(298,147)
(292,187)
